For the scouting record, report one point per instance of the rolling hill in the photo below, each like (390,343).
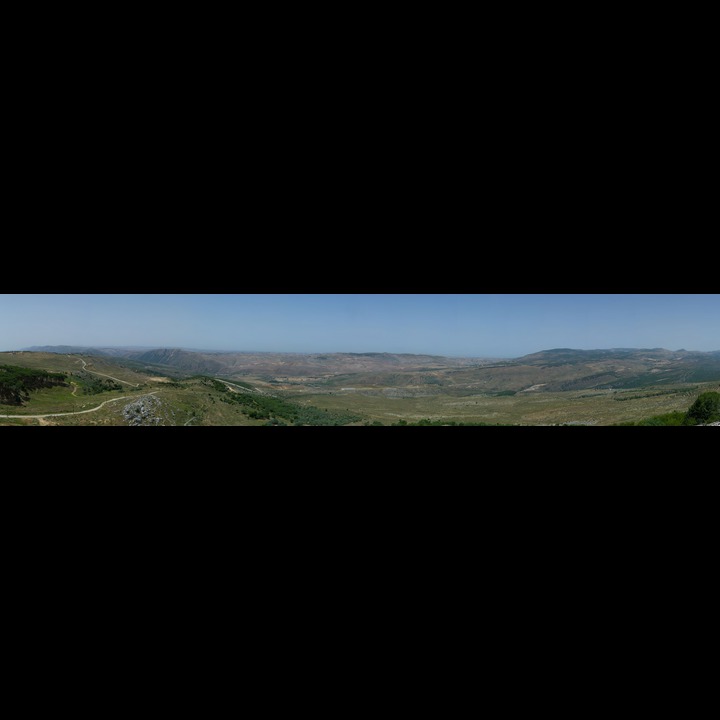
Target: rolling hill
(268,364)
(567,369)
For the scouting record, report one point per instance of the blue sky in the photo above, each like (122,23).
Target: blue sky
(460,325)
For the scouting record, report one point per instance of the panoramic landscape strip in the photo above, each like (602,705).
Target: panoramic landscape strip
(117,386)
(359,360)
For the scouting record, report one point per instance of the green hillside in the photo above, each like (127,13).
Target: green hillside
(56,389)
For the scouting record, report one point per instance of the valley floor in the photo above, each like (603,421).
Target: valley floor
(585,407)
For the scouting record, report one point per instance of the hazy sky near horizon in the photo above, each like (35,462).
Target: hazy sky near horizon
(455,325)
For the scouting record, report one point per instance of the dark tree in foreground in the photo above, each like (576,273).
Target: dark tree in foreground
(705,409)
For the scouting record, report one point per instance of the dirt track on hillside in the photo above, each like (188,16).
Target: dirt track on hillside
(78,412)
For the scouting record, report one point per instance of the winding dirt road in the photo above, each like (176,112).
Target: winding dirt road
(125,382)
(79,412)
(239,388)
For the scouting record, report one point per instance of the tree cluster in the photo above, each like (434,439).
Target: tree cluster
(278,411)
(94,385)
(16,383)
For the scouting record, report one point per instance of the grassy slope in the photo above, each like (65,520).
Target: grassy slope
(190,401)
(71,363)
(537,408)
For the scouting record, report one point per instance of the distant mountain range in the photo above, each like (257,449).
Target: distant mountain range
(549,370)
(85,350)
(568,369)
(265,363)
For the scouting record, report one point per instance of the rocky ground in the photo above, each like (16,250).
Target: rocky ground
(143,411)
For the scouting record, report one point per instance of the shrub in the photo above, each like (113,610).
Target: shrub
(705,409)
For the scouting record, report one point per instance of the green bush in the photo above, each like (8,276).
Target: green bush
(705,409)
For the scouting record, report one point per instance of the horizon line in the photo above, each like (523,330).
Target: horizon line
(101,346)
